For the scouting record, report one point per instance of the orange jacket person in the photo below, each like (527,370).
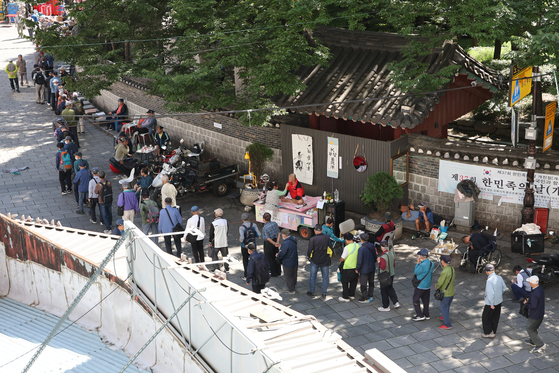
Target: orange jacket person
(296,191)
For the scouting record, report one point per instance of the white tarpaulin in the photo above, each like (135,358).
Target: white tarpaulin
(302,158)
(332,158)
(508,184)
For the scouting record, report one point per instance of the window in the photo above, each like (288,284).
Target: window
(400,168)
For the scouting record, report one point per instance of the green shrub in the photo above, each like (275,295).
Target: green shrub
(259,155)
(380,191)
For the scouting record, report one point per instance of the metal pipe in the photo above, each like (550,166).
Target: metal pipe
(159,330)
(77,300)
(210,337)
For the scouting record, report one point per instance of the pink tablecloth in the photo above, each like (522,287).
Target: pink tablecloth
(310,204)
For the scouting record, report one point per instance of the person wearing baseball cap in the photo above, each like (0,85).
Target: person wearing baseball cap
(536,310)
(494,289)
(446,285)
(424,273)
(119,229)
(245,237)
(81,183)
(366,267)
(218,239)
(194,233)
(129,202)
(317,254)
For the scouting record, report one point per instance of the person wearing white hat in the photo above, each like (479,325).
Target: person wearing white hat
(218,238)
(536,310)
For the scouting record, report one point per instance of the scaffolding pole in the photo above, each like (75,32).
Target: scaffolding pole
(77,300)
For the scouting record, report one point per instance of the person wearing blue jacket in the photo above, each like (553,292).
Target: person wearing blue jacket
(169,216)
(536,310)
(289,259)
(424,272)
(366,260)
(81,182)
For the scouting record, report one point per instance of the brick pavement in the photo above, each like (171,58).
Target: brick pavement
(415,346)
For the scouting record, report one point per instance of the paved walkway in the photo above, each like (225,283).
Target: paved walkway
(26,140)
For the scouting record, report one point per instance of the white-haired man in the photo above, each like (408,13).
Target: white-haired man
(168,190)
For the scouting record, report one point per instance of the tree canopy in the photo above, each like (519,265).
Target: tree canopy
(192,49)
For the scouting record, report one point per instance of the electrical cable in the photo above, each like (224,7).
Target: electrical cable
(72,323)
(213,33)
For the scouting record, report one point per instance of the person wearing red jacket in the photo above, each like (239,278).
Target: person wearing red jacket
(296,191)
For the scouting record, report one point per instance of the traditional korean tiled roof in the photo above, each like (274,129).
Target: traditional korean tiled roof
(358,69)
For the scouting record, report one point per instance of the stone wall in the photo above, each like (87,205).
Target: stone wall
(423,186)
(227,143)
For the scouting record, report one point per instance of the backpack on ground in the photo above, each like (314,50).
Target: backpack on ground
(249,235)
(153,214)
(106,192)
(262,273)
(65,161)
(39,78)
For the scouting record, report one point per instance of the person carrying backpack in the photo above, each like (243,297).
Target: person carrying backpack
(248,232)
(258,270)
(150,215)
(63,164)
(105,191)
(40,80)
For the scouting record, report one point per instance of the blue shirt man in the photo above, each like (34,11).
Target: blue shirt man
(328,229)
(81,180)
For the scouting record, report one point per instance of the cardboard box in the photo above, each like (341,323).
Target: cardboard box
(59,19)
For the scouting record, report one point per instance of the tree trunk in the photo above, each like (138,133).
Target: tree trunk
(497,52)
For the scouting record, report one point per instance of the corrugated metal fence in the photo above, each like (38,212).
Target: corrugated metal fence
(349,182)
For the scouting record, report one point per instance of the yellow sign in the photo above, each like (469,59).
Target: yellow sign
(521,85)
(549,123)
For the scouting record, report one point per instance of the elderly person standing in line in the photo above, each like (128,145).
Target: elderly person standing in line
(424,273)
(196,226)
(536,310)
(271,236)
(289,259)
(218,238)
(94,197)
(494,289)
(169,217)
(11,70)
(168,190)
(246,237)
(387,263)
(348,262)
(128,200)
(446,285)
(366,261)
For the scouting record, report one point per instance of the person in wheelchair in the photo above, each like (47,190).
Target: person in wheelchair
(328,229)
(479,245)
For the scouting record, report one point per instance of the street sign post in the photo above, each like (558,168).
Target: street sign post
(514,130)
(521,85)
(549,124)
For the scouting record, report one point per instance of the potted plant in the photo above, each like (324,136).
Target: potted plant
(378,194)
(258,155)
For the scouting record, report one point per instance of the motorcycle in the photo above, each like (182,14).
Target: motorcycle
(546,267)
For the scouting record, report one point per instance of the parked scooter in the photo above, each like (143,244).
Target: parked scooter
(546,267)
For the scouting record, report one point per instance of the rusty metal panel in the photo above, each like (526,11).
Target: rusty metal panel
(350,183)
(10,234)
(41,252)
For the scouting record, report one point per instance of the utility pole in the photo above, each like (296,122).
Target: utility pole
(530,162)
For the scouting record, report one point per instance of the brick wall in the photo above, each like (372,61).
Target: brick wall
(227,143)
(423,186)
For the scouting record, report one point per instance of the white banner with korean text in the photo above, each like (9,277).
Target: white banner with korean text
(302,158)
(332,158)
(507,184)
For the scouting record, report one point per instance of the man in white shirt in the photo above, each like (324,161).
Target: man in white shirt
(197,227)
(94,197)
